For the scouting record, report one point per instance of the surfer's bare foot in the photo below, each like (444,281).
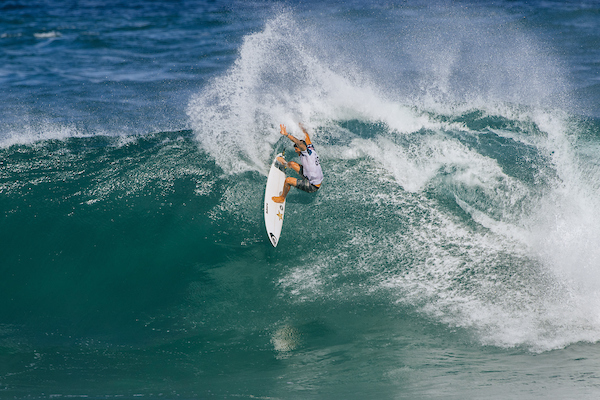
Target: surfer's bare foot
(282,161)
(278,199)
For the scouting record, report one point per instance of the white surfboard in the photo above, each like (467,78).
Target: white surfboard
(274,211)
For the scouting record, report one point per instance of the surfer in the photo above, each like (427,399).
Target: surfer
(310,170)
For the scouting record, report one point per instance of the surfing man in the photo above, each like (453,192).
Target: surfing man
(310,170)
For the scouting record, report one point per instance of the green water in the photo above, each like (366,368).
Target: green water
(137,267)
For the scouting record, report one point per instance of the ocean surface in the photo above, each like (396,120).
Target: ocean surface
(452,252)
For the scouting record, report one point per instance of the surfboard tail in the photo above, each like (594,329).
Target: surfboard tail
(273,239)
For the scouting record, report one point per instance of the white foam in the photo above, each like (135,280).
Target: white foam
(47,35)
(279,78)
(285,339)
(10,35)
(529,278)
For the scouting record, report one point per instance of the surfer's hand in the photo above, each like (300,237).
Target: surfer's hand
(283,131)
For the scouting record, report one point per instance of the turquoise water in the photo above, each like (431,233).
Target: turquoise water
(450,253)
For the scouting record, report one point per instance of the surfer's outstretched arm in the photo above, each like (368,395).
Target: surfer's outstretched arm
(306,137)
(297,142)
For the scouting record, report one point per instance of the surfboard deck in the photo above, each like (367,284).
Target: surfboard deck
(274,212)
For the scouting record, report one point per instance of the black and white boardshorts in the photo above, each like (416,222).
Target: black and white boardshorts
(304,184)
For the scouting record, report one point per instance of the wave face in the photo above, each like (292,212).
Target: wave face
(450,252)
(456,181)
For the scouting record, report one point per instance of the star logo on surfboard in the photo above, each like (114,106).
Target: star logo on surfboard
(280,215)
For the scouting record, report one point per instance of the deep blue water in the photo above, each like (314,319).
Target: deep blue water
(452,251)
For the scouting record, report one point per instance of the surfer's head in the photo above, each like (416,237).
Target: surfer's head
(298,149)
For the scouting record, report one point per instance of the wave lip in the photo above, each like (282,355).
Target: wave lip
(43,131)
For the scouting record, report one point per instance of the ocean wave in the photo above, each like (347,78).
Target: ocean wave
(473,207)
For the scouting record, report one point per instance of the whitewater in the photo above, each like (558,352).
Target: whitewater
(513,258)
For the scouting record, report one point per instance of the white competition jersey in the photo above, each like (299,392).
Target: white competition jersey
(311,167)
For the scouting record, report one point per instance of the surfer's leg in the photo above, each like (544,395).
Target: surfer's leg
(289,182)
(294,165)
